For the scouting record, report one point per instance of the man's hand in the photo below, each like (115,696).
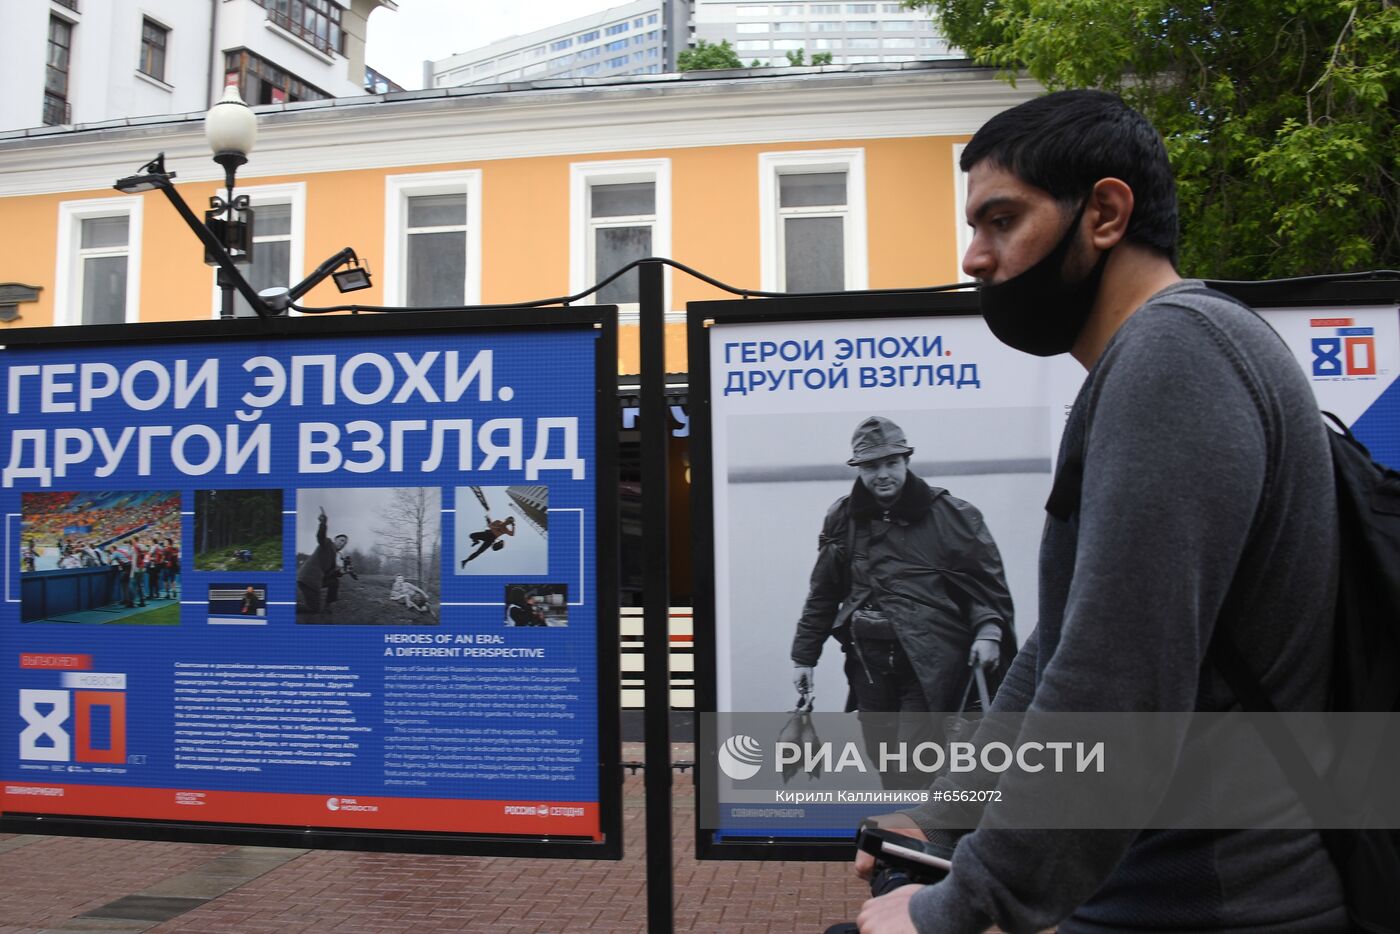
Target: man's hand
(804,679)
(323,512)
(986,653)
(898,823)
(888,914)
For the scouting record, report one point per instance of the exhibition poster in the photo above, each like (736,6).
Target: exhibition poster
(792,404)
(786,400)
(332,580)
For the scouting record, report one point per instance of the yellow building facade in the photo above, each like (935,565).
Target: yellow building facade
(783,179)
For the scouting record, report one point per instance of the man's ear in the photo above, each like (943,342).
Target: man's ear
(1110,208)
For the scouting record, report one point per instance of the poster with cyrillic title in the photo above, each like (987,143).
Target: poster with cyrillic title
(332,579)
(970,428)
(829,444)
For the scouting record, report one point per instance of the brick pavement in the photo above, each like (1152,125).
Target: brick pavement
(50,883)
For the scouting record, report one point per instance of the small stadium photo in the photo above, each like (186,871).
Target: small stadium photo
(237,530)
(101,558)
(501,530)
(238,604)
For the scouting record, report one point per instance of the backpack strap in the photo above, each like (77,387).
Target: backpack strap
(1068,488)
(1224,655)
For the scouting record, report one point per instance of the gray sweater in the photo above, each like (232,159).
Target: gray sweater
(1207,500)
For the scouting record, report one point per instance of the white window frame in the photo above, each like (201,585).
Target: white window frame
(964,238)
(293,193)
(68,269)
(397,190)
(582,177)
(770,239)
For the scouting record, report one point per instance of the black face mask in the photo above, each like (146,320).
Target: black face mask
(1037,312)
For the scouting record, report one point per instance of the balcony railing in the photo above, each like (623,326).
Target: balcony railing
(296,28)
(57,112)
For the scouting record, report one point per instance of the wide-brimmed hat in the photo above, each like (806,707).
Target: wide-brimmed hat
(875,438)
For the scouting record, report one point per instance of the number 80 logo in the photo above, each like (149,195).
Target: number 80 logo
(50,725)
(1350,356)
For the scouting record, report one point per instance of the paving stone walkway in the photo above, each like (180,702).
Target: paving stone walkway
(74,884)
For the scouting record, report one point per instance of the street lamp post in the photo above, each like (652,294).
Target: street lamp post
(231,128)
(227,228)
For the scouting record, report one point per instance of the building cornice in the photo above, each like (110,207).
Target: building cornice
(470,125)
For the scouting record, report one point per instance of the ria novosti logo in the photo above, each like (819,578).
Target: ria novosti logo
(740,757)
(349,804)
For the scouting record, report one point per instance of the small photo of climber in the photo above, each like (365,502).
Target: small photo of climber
(501,530)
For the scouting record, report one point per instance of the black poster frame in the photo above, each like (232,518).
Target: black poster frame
(699,317)
(600,318)
(1289,293)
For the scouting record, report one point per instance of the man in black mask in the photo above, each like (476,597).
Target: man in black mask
(1192,501)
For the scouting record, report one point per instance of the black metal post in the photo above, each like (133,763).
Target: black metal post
(656,599)
(226,288)
(215,247)
(230,161)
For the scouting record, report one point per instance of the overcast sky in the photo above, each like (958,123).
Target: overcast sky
(425,30)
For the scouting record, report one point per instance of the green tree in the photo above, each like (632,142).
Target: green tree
(796,57)
(706,55)
(821,58)
(1280,116)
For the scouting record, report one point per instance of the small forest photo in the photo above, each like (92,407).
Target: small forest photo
(238,530)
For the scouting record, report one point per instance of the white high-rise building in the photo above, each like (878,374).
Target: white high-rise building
(638,38)
(72,62)
(852,33)
(646,36)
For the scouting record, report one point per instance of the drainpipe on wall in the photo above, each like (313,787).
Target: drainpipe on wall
(213,49)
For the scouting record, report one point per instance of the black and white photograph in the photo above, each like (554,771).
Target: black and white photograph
(238,530)
(543,605)
(501,530)
(238,604)
(862,522)
(369,557)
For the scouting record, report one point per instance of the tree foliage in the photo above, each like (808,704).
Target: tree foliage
(707,55)
(410,541)
(1280,116)
(798,57)
(236,518)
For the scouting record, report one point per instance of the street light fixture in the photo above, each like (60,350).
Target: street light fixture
(352,278)
(153,176)
(231,129)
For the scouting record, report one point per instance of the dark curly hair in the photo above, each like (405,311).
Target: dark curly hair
(1063,143)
